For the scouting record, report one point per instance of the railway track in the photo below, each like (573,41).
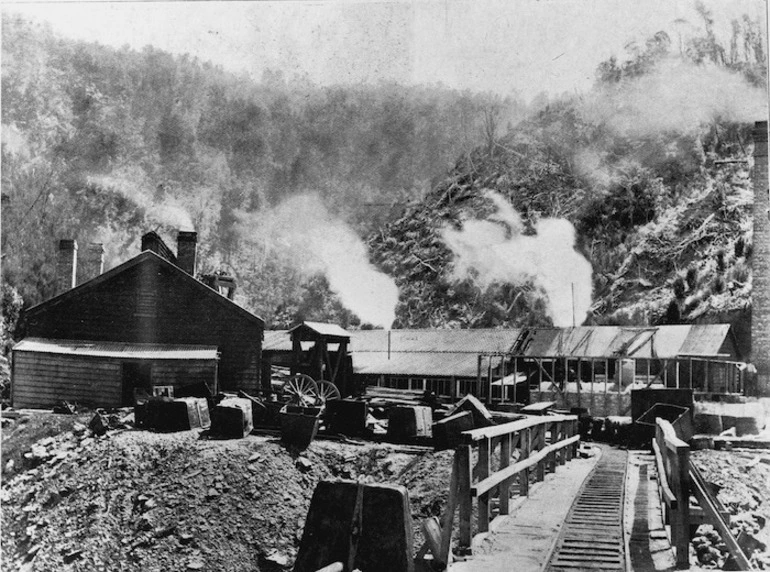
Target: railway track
(592,536)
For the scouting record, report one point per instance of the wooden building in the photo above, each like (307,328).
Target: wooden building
(146,300)
(105,374)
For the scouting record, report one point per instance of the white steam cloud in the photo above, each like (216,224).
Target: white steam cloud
(677,96)
(168,211)
(307,234)
(496,250)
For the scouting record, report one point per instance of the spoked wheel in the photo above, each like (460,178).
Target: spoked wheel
(302,390)
(327,391)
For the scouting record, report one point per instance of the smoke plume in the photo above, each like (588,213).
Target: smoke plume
(496,250)
(167,211)
(304,232)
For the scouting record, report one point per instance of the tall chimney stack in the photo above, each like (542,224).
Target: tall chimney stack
(186,249)
(91,263)
(760,262)
(151,241)
(66,265)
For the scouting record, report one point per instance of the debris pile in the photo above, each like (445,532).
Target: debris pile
(136,500)
(741,478)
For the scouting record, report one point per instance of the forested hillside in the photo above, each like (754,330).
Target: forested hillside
(650,169)
(103,145)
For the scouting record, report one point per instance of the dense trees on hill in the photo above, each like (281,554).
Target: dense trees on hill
(102,144)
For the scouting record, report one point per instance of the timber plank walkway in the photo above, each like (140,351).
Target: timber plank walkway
(523,540)
(592,536)
(544,527)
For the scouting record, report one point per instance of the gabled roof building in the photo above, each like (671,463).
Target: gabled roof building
(144,323)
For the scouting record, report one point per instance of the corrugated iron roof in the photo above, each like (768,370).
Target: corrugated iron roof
(276,340)
(454,352)
(643,342)
(117,349)
(439,341)
(323,329)
(429,364)
(705,339)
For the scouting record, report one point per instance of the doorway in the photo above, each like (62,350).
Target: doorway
(136,375)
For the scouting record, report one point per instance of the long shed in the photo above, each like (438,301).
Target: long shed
(104,374)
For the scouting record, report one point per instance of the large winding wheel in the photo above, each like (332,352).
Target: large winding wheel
(327,391)
(302,390)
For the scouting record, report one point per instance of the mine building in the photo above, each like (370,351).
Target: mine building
(444,362)
(146,323)
(597,367)
(593,367)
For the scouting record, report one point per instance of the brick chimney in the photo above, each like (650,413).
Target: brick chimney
(760,262)
(152,241)
(66,265)
(186,249)
(91,262)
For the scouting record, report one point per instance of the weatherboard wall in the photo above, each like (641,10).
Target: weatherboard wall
(152,301)
(42,379)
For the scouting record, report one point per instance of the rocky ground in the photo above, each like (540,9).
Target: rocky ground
(743,479)
(136,500)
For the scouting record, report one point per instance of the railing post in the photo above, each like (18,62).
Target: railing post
(447,523)
(463,453)
(552,460)
(525,447)
(483,473)
(505,460)
(539,446)
(681,522)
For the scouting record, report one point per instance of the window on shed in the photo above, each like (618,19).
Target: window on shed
(147,304)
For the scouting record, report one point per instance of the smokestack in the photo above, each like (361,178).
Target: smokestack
(152,241)
(91,262)
(760,262)
(186,248)
(66,265)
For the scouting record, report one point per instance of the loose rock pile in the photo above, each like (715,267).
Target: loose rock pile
(743,482)
(135,500)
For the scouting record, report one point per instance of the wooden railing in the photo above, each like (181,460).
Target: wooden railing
(672,459)
(535,445)
(677,478)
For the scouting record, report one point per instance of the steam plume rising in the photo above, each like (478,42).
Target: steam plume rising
(168,211)
(495,250)
(304,232)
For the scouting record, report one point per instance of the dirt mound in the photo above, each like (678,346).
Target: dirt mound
(135,500)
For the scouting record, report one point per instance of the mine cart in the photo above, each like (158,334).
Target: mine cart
(299,425)
(305,401)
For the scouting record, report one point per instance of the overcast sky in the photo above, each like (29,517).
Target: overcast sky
(526,46)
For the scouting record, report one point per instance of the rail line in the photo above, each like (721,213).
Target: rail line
(592,537)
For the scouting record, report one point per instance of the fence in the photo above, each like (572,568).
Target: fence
(672,459)
(542,444)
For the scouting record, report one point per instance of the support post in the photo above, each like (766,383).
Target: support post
(526,447)
(515,377)
(463,453)
(505,460)
(485,453)
(540,470)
